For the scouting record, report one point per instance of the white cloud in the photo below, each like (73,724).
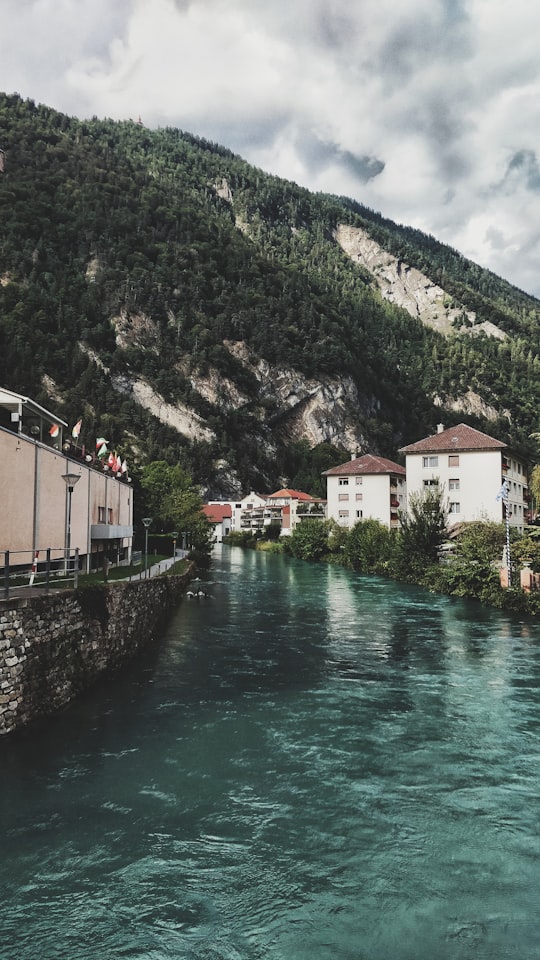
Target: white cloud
(427,111)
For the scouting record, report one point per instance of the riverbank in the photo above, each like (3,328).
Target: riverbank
(54,647)
(471,570)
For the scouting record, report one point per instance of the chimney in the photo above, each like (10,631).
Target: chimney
(440,427)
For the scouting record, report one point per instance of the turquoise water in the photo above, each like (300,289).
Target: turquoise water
(311,764)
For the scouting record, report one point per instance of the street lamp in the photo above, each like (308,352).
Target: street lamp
(146,523)
(174,535)
(70,479)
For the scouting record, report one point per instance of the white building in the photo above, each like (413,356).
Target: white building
(367,486)
(241,510)
(289,507)
(219,515)
(471,467)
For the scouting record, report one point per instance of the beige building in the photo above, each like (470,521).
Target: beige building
(367,486)
(52,496)
(471,468)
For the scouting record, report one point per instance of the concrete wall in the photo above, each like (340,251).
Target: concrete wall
(35,500)
(52,648)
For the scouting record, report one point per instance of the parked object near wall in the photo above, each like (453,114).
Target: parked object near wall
(52,648)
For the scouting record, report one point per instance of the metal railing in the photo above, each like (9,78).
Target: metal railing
(23,570)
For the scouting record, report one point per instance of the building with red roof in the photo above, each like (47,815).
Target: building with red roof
(219,515)
(367,486)
(474,470)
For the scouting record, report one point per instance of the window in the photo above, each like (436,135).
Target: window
(343,496)
(101,514)
(453,460)
(344,481)
(431,483)
(359,496)
(359,481)
(453,484)
(359,514)
(430,461)
(238,506)
(109,520)
(454,507)
(343,513)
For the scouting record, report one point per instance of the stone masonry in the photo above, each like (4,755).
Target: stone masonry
(54,647)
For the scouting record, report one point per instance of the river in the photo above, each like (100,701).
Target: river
(310,765)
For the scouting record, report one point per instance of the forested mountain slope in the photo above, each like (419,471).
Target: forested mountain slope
(193,308)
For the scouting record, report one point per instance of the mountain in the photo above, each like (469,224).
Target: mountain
(193,308)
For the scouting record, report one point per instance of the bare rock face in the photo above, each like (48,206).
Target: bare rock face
(322,410)
(178,416)
(472,404)
(136,330)
(409,288)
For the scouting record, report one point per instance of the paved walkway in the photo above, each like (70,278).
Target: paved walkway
(154,570)
(27,591)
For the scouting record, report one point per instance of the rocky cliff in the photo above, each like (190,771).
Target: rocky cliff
(410,289)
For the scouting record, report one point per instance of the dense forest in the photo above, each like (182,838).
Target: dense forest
(194,249)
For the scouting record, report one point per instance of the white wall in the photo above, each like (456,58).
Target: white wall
(480,477)
(366,496)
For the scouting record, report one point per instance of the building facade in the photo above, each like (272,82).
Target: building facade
(471,468)
(43,510)
(219,515)
(366,487)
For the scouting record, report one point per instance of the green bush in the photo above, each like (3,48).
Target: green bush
(309,540)
(369,547)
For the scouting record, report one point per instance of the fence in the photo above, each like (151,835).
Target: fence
(25,569)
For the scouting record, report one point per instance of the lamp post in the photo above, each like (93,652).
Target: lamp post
(174,535)
(70,479)
(146,523)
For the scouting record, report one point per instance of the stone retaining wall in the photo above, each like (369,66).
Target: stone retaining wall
(53,647)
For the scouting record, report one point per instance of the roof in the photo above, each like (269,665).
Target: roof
(217,512)
(12,401)
(369,463)
(289,494)
(461,437)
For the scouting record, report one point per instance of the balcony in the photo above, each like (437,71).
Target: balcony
(110,531)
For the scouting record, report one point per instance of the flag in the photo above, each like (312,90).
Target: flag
(100,441)
(102,450)
(503,492)
(124,467)
(54,430)
(76,430)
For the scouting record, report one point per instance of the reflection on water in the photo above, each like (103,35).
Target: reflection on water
(310,764)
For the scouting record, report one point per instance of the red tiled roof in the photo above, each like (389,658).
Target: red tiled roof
(291,494)
(217,512)
(461,437)
(369,463)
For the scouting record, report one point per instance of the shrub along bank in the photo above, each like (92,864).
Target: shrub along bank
(421,553)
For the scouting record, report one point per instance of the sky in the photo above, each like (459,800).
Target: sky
(426,110)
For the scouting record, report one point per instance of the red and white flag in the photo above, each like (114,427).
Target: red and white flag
(76,430)
(54,430)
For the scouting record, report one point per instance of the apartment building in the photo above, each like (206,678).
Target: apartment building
(367,486)
(471,468)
